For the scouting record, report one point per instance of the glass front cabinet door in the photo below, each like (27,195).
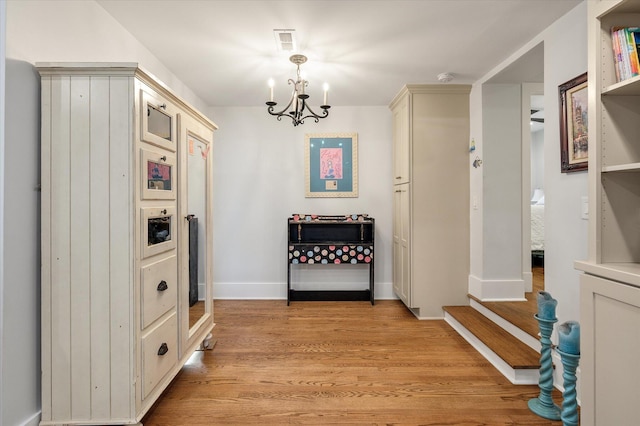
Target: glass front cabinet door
(197,240)
(159,120)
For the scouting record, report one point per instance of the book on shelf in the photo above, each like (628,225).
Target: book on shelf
(626,56)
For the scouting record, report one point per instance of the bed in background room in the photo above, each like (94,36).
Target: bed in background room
(537,229)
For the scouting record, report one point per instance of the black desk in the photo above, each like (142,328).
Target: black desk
(315,239)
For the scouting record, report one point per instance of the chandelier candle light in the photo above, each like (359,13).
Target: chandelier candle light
(298,109)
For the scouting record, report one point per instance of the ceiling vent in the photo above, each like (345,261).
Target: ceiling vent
(285,40)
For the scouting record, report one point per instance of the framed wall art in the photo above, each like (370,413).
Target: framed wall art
(574,142)
(331,165)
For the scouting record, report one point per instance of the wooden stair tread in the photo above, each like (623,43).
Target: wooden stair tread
(520,314)
(514,352)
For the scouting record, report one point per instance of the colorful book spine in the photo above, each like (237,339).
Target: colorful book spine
(633,53)
(634,37)
(624,51)
(625,43)
(617,57)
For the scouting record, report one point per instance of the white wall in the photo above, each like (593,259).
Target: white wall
(502,174)
(21,251)
(259,181)
(565,232)
(495,190)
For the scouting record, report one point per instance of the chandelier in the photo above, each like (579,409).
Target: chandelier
(298,109)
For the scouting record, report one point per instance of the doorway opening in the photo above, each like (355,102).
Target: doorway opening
(536,124)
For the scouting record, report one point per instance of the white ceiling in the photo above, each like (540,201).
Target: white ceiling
(225,51)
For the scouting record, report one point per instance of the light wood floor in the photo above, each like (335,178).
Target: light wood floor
(330,363)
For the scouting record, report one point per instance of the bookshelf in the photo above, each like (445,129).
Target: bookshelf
(610,285)
(614,152)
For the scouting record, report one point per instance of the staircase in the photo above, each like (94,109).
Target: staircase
(505,333)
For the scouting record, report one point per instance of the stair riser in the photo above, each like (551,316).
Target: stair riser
(525,338)
(515,376)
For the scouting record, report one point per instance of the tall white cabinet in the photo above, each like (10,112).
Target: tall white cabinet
(431,197)
(126,272)
(610,287)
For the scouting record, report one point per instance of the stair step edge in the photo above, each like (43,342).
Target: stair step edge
(518,323)
(513,351)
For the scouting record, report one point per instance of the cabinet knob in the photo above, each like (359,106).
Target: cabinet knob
(164,211)
(163,106)
(162,285)
(163,158)
(163,349)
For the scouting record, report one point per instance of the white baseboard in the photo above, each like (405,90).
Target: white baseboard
(496,290)
(527,277)
(247,291)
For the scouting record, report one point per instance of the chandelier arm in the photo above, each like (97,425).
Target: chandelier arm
(312,113)
(271,110)
(283,113)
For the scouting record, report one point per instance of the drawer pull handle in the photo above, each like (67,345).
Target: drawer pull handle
(398,177)
(162,285)
(163,349)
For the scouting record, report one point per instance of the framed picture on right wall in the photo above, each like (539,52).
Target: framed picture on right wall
(574,141)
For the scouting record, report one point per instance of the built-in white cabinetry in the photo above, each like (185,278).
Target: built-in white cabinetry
(610,287)
(401,140)
(126,272)
(610,318)
(431,197)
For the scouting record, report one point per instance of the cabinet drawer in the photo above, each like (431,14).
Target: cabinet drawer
(159,353)
(159,289)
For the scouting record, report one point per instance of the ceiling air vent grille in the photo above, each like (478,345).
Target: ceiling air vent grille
(285,40)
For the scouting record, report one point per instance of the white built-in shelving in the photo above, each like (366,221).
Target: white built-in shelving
(610,285)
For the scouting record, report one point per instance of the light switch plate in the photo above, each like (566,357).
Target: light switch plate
(584,208)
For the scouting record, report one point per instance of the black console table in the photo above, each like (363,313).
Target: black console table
(315,239)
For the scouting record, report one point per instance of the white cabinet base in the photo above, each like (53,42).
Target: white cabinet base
(610,372)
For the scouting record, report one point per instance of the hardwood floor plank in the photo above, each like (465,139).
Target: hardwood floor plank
(338,363)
